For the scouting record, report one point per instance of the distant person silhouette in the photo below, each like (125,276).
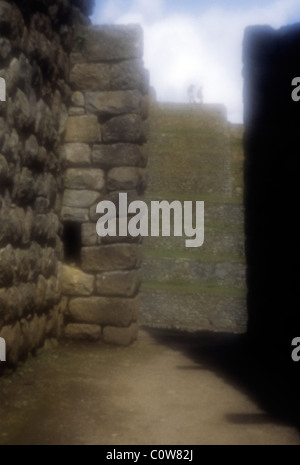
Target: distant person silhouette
(199,95)
(191,93)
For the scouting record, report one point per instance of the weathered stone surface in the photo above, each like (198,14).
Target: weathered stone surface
(126,75)
(46,186)
(76,111)
(3,169)
(83,332)
(13,337)
(44,124)
(33,331)
(125,128)
(120,336)
(108,43)
(5,48)
(76,154)
(27,226)
(121,239)
(126,178)
(111,257)
(75,282)
(17,301)
(11,223)
(24,186)
(74,214)
(113,103)
(119,155)
(80,198)
(21,110)
(83,128)
(5,13)
(104,311)
(89,235)
(77,99)
(118,283)
(31,151)
(7,266)
(45,227)
(85,178)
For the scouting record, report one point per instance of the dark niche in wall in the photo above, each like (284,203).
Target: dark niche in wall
(72,241)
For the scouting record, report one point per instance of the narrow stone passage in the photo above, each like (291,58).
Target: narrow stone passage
(167,388)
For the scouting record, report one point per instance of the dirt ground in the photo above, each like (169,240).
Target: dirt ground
(167,388)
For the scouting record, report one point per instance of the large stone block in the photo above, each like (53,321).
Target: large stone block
(113,103)
(76,282)
(89,235)
(126,75)
(125,128)
(83,332)
(80,198)
(104,311)
(76,154)
(126,178)
(120,336)
(108,43)
(84,128)
(119,283)
(74,214)
(111,257)
(121,154)
(85,178)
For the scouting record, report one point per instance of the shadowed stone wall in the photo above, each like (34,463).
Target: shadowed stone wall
(272,162)
(71,133)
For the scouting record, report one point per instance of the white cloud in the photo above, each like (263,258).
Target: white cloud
(204,49)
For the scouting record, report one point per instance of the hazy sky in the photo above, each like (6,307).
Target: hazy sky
(197,42)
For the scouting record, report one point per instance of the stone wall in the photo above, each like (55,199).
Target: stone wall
(71,133)
(104,155)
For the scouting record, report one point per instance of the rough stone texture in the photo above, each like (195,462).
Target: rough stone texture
(65,80)
(75,282)
(108,43)
(76,154)
(126,178)
(121,154)
(82,198)
(120,336)
(89,235)
(127,75)
(83,332)
(84,178)
(83,128)
(104,311)
(111,257)
(113,103)
(119,283)
(74,214)
(124,128)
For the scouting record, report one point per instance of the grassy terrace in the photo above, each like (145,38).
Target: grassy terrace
(185,287)
(194,154)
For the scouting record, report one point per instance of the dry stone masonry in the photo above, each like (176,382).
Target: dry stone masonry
(72,132)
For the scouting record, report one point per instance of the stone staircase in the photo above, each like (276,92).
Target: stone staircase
(193,155)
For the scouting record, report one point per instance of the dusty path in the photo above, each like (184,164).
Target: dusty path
(162,390)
